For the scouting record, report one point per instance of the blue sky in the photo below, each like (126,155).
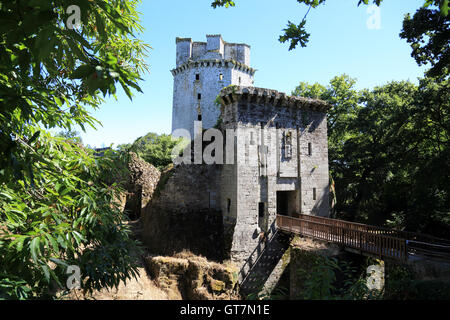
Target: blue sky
(340,42)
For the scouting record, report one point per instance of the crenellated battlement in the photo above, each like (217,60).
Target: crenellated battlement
(214,48)
(231,94)
(203,68)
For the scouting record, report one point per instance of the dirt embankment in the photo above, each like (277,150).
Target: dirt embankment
(187,276)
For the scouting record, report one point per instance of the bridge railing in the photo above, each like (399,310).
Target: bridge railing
(358,236)
(377,230)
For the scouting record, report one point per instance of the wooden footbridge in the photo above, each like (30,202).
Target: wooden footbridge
(365,239)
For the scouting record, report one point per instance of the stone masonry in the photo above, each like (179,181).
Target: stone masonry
(280,163)
(275,162)
(202,70)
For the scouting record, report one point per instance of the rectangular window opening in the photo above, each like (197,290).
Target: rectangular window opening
(309,148)
(199,117)
(314,194)
(199,96)
(220,77)
(197,77)
(228,205)
(261,209)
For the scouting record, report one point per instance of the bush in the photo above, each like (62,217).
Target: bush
(61,213)
(155,149)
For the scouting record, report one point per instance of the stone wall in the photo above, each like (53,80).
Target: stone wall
(274,135)
(214,48)
(183,213)
(141,183)
(203,69)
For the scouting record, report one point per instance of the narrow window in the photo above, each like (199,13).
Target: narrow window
(261,209)
(197,77)
(288,145)
(228,205)
(314,194)
(199,117)
(220,77)
(199,96)
(239,80)
(309,148)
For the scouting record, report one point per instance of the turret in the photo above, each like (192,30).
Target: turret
(202,70)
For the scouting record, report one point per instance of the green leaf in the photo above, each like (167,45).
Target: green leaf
(34,137)
(34,248)
(45,269)
(82,72)
(60,262)
(6,195)
(100,26)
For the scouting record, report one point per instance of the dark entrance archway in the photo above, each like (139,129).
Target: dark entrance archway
(286,202)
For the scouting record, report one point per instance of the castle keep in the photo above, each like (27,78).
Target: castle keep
(275,159)
(202,70)
(254,176)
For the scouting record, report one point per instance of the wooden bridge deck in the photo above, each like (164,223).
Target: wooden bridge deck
(370,240)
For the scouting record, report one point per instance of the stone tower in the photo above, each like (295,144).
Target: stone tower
(280,164)
(202,70)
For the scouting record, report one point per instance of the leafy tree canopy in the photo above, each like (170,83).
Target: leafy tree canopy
(55,207)
(70,135)
(153,148)
(389,152)
(427,32)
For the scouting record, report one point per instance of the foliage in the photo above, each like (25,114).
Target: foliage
(389,152)
(430,25)
(343,98)
(327,279)
(429,290)
(278,293)
(222,3)
(49,73)
(70,135)
(427,24)
(153,148)
(322,283)
(401,286)
(69,217)
(55,208)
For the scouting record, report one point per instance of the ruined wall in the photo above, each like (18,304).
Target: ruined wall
(183,213)
(140,185)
